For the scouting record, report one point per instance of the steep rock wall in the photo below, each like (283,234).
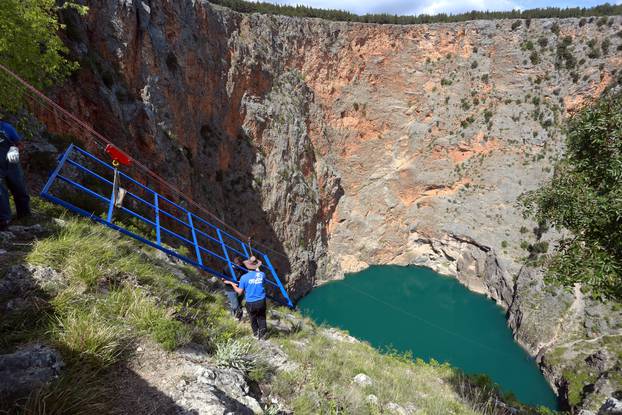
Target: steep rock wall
(352,136)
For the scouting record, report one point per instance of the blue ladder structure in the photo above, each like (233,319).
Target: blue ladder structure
(160,215)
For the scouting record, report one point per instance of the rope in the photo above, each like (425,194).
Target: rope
(99,139)
(425,321)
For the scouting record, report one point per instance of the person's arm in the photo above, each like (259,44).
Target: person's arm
(11,133)
(14,138)
(233,285)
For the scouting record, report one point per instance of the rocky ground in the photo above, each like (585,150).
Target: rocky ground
(342,145)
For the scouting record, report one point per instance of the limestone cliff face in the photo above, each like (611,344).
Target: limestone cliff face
(342,145)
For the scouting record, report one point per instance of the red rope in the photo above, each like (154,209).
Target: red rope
(70,119)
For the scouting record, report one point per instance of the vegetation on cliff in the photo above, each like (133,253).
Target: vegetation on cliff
(30,45)
(585,198)
(385,18)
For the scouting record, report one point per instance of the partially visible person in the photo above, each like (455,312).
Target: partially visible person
(251,285)
(235,301)
(11,175)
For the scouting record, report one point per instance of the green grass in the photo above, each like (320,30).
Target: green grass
(92,255)
(89,337)
(326,367)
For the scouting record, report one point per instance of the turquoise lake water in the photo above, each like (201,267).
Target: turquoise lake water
(435,317)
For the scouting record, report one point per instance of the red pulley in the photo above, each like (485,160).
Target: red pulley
(118,157)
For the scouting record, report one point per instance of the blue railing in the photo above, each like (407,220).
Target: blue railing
(166,219)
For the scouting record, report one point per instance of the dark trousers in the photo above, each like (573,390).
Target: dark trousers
(257,313)
(12,180)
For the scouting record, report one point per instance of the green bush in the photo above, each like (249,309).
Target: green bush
(239,354)
(30,46)
(528,45)
(604,46)
(584,198)
(555,28)
(516,24)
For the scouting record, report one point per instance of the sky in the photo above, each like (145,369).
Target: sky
(410,7)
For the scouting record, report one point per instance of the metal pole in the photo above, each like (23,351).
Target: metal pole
(194,238)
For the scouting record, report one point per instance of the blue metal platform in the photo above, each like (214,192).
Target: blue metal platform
(161,223)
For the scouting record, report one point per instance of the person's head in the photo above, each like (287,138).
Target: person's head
(252,263)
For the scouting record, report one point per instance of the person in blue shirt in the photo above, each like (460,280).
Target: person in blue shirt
(251,285)
(11,175)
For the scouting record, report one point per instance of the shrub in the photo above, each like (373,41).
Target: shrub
(528,45)
(543,42)
(30,46)
(540,247)
(534,58)
(504,244)
(555,28)
(593,53)
(516,24)
(602,21)
(238,354)
(586,174)
(474,64)
(582,22)
(605,46)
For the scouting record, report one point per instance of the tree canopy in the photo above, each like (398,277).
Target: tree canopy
(31,47)
(385,18)
(585,198)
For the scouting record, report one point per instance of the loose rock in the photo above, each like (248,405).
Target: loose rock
(28,368)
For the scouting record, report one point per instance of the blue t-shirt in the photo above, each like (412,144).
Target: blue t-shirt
(252,284)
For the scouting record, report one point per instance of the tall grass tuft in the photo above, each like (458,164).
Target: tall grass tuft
(79,392)
(89,338)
